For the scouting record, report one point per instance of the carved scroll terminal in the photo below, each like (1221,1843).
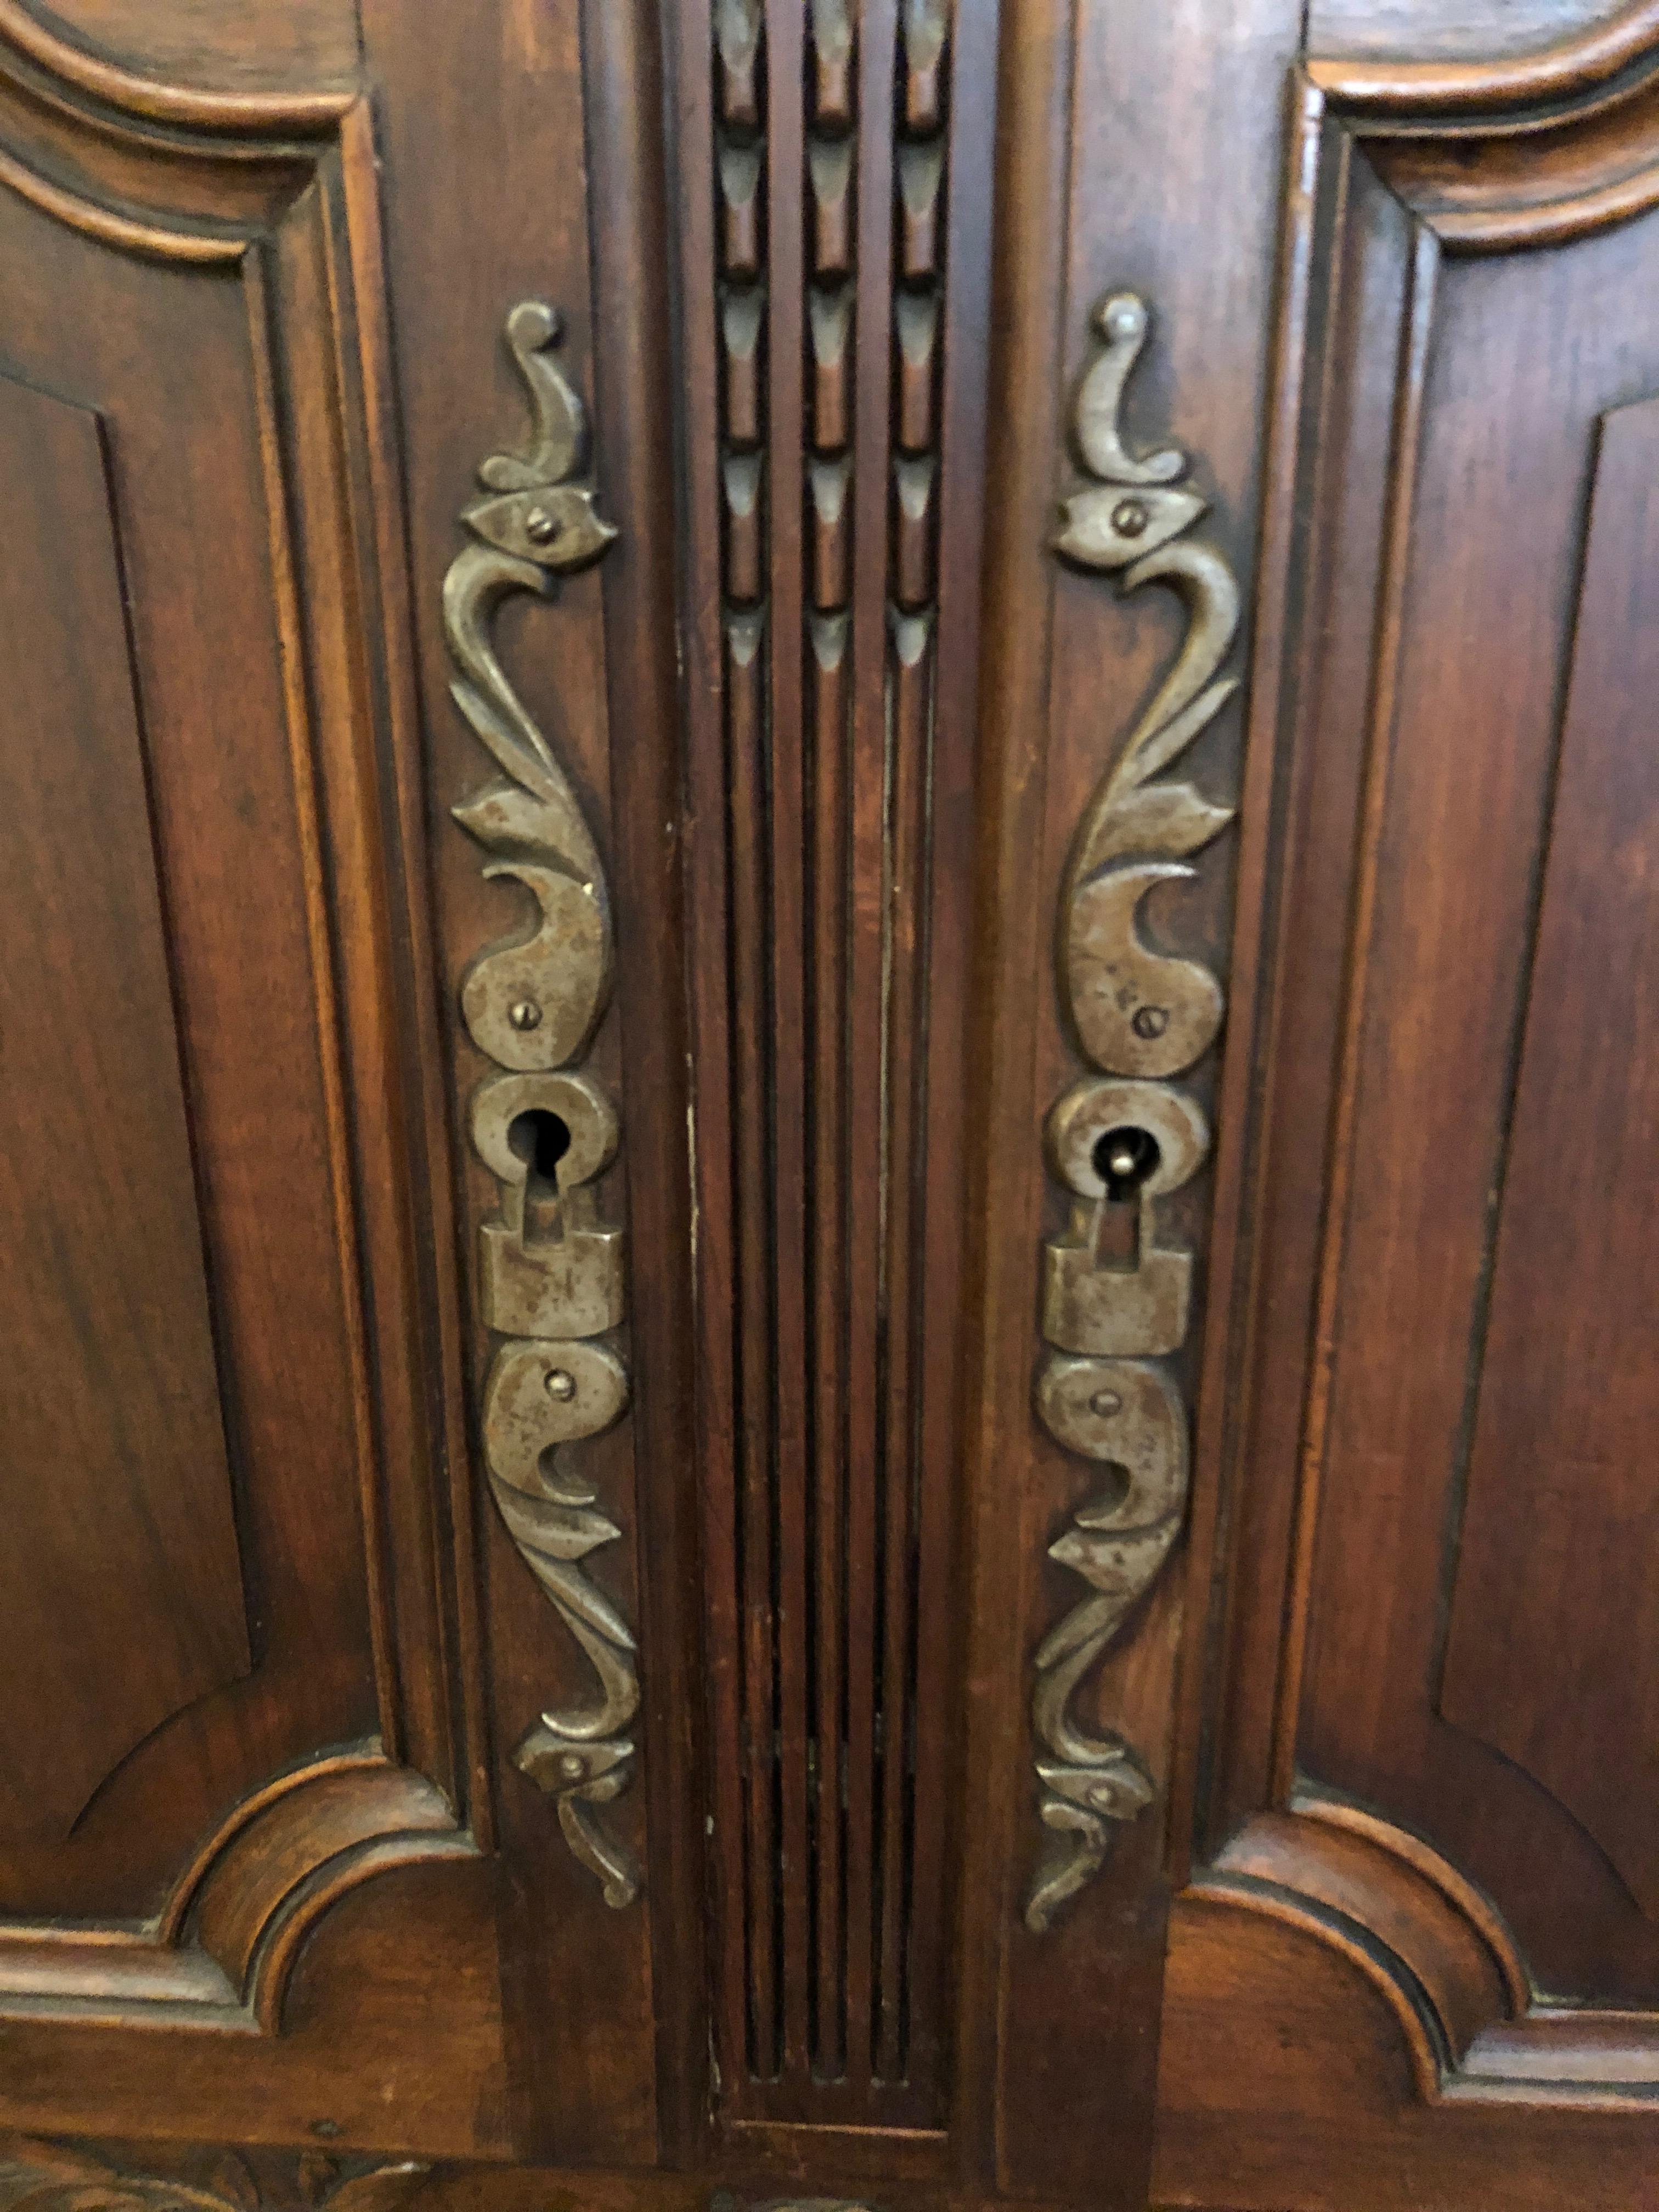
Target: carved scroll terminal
(550,1268)
(1115,1301)
(41,2176)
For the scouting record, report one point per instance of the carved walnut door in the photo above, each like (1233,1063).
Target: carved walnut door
(827,1104)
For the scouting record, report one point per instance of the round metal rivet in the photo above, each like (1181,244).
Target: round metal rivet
(1130,517)
(540,527)
(572,1764)
(561,1383)
(1150,1021)
(1105,1403)
(525,1014)
(1122,1162)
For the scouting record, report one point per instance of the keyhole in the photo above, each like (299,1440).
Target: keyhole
(1124,1158)
(541,1140)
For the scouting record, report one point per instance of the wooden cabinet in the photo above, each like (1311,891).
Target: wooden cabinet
(828,1105)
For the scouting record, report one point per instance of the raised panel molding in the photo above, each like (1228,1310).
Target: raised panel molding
(175,64)
(259,210)
(1559,1535)
(1410,194)
(120,1528)
(1459,56)
(222,1952)
(1299,2089)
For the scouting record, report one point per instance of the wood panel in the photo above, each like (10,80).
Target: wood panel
(1558,1542)
(211,303)
(1465,316)
(191,482)
(366,2062)
(121,1535)
(1451,848)
(1286,2082)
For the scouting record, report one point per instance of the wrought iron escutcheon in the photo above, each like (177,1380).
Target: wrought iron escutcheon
(550,1268)
(1125,1136)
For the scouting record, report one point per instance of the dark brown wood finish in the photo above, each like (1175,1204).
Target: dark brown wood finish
(251,1033)
(286,1917)
(1415,1169)
(197,274)
(831,768)
(100,1370)
(1067,671)
(1557,1443)
(1463,333)
(540,114)
(626,106)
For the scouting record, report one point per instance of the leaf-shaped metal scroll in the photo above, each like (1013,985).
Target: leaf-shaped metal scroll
(1139,1016)
(551,1272)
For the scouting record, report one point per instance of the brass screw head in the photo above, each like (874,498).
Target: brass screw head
(540,527)
(1150,1022)
(525,1014)
(561,1383)
(1130,517)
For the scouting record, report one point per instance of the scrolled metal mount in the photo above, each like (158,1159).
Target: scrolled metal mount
(1124,1137)
(552,1270)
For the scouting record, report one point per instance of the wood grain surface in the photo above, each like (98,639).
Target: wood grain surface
(285,1923)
